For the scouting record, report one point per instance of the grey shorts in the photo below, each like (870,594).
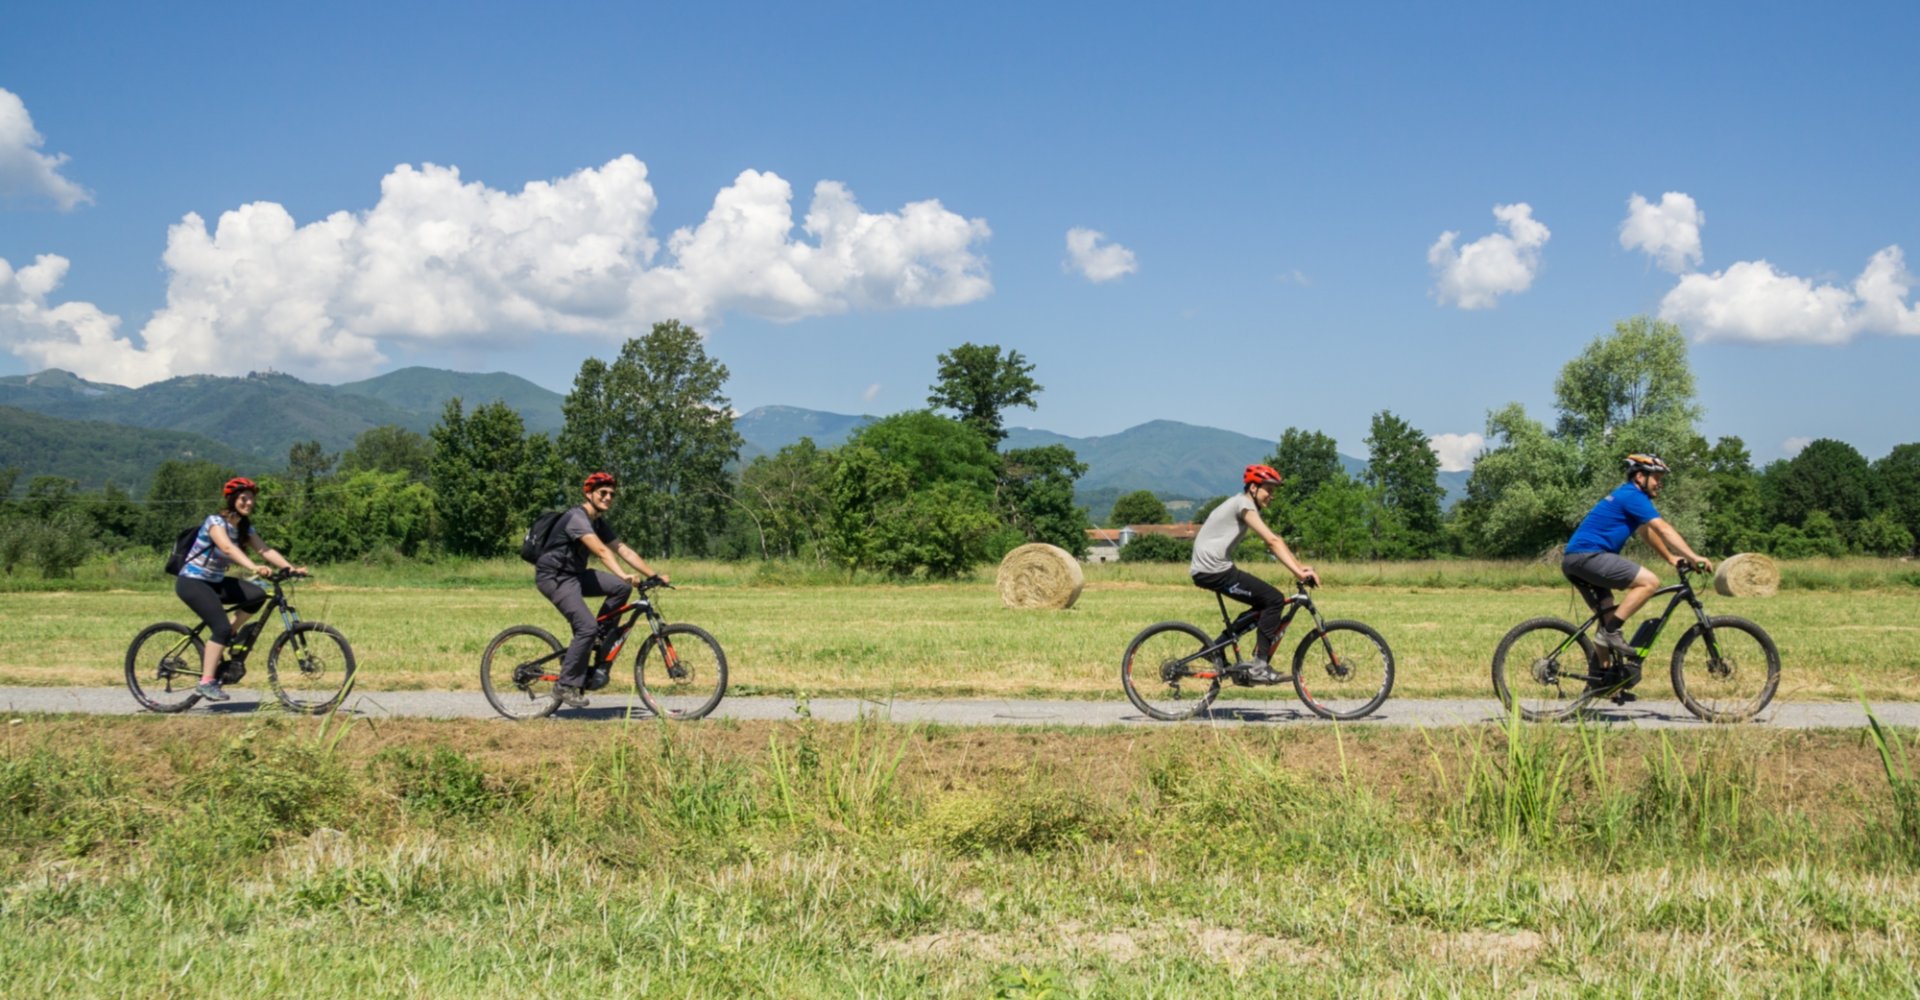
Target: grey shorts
(1602,569)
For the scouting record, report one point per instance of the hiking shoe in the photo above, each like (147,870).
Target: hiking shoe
(210,690)
(1256,671)
(570,696)
(1613,640)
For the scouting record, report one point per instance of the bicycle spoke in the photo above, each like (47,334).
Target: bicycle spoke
(1164,674)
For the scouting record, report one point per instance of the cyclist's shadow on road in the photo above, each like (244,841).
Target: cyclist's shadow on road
(1244,713)
(609,713)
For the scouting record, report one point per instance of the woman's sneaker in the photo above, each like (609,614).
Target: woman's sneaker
(210,690)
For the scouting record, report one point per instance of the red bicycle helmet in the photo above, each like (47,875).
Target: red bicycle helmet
(1265,475)
(598,480)
(238,484)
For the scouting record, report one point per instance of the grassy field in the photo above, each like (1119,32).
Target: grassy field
(1845,628)
(203,857)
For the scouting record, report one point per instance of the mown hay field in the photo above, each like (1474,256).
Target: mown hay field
(1846,628)
(197,856)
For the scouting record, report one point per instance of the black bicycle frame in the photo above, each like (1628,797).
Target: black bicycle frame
(615,626)
(276,601)
(1236,626)
(1682,591)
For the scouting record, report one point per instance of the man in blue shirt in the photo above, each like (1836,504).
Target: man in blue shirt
(1593,560)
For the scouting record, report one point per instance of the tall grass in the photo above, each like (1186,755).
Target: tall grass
(471,860)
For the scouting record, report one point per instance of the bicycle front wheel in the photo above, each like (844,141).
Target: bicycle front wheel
(1727,673)
(1343,671)
(1543,667)
(310,668)
(681,672)
(1164,674)
(518,672)
(163,665)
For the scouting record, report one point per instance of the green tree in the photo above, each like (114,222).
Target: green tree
(355,516)
(1627,386)
(1898,474)
(1736,518)
(1827,475)
(1156,548)
(389,448)
(786,499)
(912,494)
(1306,460)
(1138,507)
(183,494)
(1880,535)
(978,382)
(1526,492)
(1035,494)
(308,461)
(489,478)
(658,420)
(1406,472)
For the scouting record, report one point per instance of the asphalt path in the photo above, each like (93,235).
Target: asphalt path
(614,705)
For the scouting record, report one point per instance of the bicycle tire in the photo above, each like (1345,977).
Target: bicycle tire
(683,679)
(528,698)
(1359,676)
(1160,648)
(1544,692)
(317,675)
(161,678)
(1733,680)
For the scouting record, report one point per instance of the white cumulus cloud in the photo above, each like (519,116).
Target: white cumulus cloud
(1094,259)
(1669,232)
(439,259)
(25,172)
(1457,451)
(1753,301)
(1474,276)
(1794,446)
(871,392)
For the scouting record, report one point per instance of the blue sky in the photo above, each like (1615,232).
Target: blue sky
(836,193)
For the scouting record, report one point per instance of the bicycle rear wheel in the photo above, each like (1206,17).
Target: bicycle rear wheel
(681,673)
(518,672)
(163,665)
(1344,671)
(310,668)
(1728,676)
(1164,674)
(1542,666)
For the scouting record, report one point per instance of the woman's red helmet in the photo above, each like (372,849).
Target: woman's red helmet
(1265,475)
(598,480)
(238,484)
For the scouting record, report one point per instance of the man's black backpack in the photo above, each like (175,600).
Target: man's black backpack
(539,540)
(182,544)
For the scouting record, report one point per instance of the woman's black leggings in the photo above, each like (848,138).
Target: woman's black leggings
(208,600)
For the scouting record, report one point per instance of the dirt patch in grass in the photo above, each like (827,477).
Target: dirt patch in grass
(1235,949)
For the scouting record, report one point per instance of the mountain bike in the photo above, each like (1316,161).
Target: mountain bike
(309,666)
(1725,669)
(680,671)
(1341,669)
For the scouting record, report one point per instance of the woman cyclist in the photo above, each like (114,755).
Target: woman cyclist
(203,583)
(1212,567)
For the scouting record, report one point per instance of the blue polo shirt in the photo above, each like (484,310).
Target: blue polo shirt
(1612,521)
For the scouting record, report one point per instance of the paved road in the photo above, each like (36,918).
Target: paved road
(965,712)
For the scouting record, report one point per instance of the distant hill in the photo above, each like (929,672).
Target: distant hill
(423,392)
(94,453)
(264,414)
(767,429)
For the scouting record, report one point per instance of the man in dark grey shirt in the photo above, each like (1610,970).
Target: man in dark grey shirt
(562,575)
(1212,567)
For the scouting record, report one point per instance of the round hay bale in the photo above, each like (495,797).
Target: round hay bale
(1748,574)
(1038,575)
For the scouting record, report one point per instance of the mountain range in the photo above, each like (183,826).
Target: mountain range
(57,423)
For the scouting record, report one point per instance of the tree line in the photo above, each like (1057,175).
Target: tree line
(920,493)
(929,492)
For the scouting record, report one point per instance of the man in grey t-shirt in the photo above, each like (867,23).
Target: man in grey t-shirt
(562,575)
(1212,567)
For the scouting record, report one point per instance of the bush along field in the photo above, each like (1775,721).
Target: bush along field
(1844,627)
(192,857)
